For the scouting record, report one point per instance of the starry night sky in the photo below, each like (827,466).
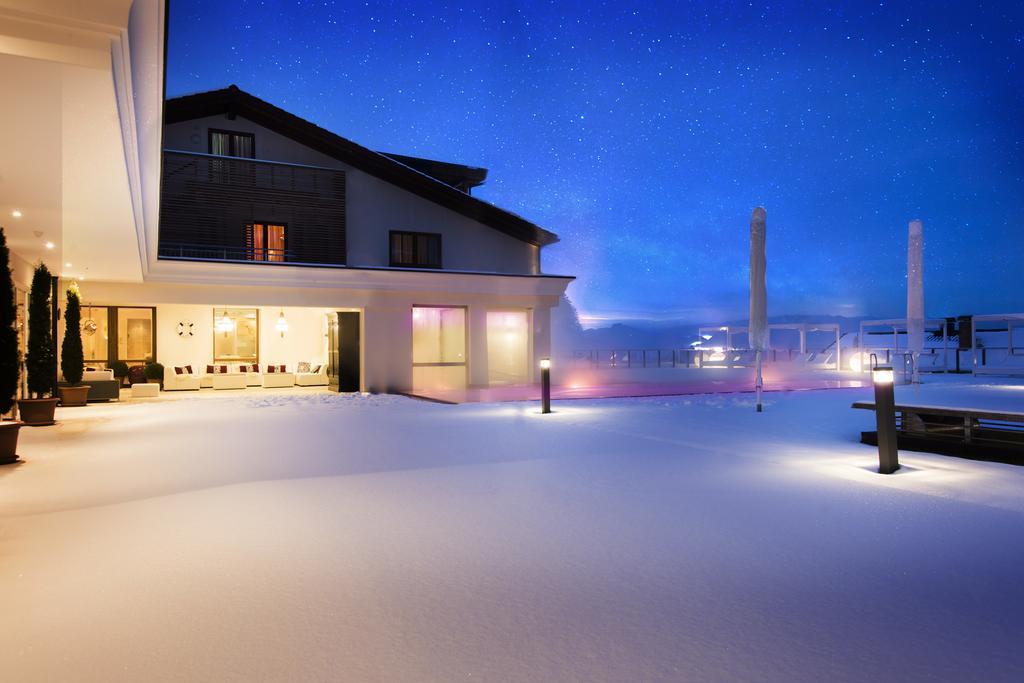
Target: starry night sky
(644,133)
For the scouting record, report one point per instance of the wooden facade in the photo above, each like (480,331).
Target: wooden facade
(210,203)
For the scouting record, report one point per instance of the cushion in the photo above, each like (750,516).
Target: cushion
(210,370)
(188,369)
(282,368)
(316,370)
(303,367)
(178,371)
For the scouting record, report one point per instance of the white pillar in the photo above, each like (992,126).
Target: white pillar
(915,295)
(541,321)
(479,374)
(387,348)
(839,351)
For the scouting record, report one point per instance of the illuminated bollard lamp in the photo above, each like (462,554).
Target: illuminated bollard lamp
(545,385)
(885,419)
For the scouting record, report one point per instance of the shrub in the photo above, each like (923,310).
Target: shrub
(155,371)
(72,360)
(40,363)
(9,355)
(120,369)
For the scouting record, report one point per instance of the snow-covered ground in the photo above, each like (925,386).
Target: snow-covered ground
(313,536)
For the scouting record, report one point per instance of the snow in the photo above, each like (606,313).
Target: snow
(311,536)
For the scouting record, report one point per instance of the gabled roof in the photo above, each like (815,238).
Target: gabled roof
(459,176)
(235,102)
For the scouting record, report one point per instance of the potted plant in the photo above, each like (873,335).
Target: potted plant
(72,359)
(9,358)
(120,369)
(154,373)
(40,364)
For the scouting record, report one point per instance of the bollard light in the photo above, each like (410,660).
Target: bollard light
(545,385)
(885,419)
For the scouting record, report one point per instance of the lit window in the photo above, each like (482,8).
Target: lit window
(236,336)
(265,242)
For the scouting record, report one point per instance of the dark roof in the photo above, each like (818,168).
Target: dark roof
(459,176)
(233,101)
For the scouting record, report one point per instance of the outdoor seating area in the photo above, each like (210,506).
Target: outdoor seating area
(103,386)
(239,376)
(978,434)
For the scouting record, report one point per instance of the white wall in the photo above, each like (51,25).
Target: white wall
(374,207)
(386,334)
(304,340)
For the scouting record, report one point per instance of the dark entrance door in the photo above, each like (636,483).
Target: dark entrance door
(343,352)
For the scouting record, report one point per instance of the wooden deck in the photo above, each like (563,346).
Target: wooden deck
(978,434)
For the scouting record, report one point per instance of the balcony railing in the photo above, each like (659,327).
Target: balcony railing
(207,204)
(204,252)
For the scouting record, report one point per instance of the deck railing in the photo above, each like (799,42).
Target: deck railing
(681,358)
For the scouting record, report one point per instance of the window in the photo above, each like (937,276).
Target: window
(228,143)
(236,335)
(265,242)
(508,347)
(438,348)
(112,333)
(415,249)
(135,334)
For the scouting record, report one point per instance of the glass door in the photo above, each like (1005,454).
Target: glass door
(332,351)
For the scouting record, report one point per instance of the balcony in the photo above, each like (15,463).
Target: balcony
(208,205)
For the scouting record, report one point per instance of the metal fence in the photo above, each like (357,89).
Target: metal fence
(674,358)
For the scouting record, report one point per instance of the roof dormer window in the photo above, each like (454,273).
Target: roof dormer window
(229,143)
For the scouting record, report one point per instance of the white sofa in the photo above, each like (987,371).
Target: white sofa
(276,380)
(206,379)
(228,380)
(104,375)
(185,381)
(312,379)
(252,378)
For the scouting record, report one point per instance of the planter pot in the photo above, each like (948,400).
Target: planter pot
(36,412)
(9,442)
(73,395)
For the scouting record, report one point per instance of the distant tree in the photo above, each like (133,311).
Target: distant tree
(72,358)
(566,330)
(40,363)
(9,355)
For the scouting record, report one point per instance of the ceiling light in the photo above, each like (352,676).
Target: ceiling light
(16,213)
(49,245)
(68,264)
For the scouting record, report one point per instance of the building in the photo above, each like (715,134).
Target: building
(220,229)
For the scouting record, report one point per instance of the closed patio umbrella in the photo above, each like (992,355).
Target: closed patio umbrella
(915,295)
(758,328)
